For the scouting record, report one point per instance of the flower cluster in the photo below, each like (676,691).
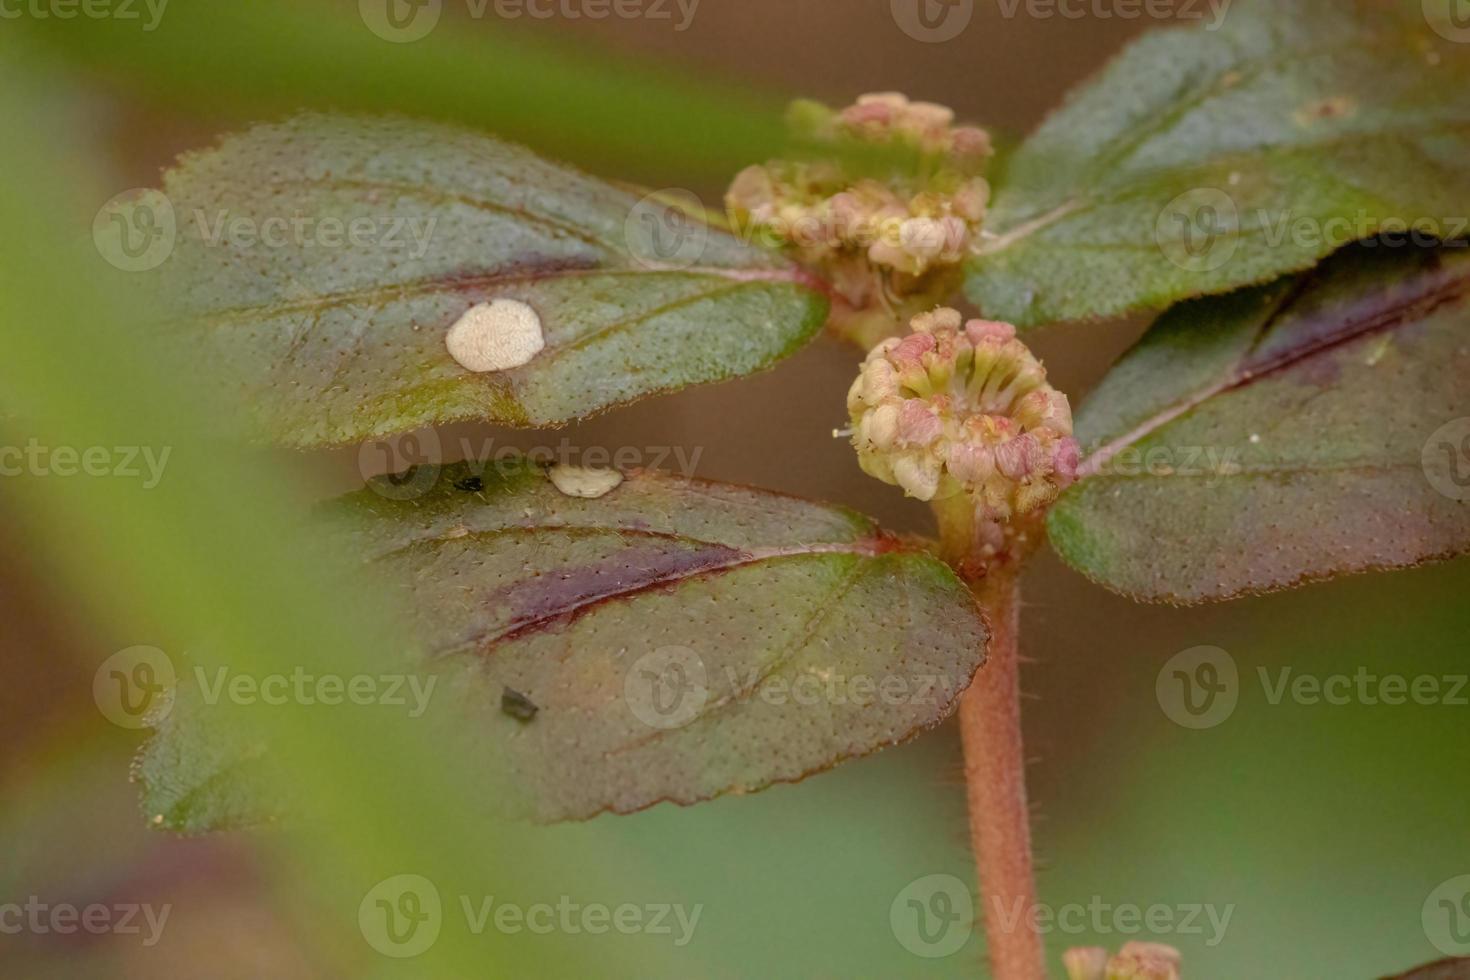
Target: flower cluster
(1135,961)
(885,206)
(963,408)
(908,222)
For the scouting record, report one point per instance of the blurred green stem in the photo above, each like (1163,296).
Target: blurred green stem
(995,771)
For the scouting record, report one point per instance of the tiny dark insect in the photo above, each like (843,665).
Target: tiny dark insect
(470,484)
(517,705)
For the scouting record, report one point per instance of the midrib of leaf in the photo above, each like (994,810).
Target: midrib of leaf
(1085,204)
(561,269)
(625,323)
(1244,371)
(1078,202)
(1256,472)
(869,547)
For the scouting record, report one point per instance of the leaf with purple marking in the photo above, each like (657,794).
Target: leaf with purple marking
(669,640)
(321,263)
(1243,148)
(1315,427)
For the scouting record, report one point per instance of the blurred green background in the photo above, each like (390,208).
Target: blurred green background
(1321,830)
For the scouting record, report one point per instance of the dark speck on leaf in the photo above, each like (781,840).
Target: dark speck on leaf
(517,705)
(470,484)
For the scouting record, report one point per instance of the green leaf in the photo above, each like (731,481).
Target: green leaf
(1314,427)
(670,640)
(332,335)
(1442,970)
(1204,160)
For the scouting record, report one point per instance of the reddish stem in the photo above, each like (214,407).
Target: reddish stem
(995,781)
(990,729)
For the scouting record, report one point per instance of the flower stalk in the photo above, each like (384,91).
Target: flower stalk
(960,415)
(995,773)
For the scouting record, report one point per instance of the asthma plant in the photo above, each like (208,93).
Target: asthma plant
(1300,405)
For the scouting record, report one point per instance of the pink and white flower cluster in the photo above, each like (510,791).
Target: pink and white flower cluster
(1135,961)
(963,408)
(905,222)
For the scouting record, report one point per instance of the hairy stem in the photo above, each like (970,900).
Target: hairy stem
(995,776)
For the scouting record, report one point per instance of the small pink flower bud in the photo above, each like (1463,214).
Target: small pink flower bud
(1066,456)
(922,239)
(971,201)
(970,141)
(1015,458)
(879,381)
(918,425)
(937,320)
(871,115)
(971,462)
(989,330)
(929,115)
(881,427)
(893,100)
(1086,963)
(1145,961)
(918,475)
(1044,407)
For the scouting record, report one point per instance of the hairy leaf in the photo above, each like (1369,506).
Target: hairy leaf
(1310,428)
(1206,159)
(321,263)
(669,640)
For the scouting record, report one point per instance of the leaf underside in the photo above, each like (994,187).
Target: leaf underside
(1205,160)
(1310,428)
(330,340)
(804,636)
